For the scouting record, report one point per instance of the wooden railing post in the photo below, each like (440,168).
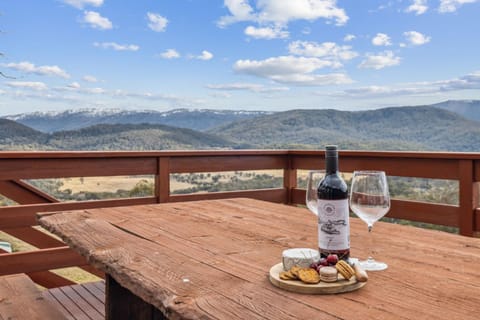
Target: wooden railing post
(289,179)
(162,180)
(467,199)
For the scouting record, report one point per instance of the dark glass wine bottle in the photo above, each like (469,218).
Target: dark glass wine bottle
(333,213)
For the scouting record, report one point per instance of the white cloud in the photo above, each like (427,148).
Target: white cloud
(29,67)
(349,37)
(74,85)
(80,4)
(381,39)
(32,85)
(157,22)
(418,6)
(266,33)
(282,12)
(205,55)
(380,61)
(468,82)
(116,46)
(416,38)
(170,54)
(452,5)
(328,50)
(253,87)
(88,78)
(96,21)
(292,70)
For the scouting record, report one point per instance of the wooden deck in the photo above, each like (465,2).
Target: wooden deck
(79,302)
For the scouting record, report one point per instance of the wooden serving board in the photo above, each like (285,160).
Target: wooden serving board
(298,286)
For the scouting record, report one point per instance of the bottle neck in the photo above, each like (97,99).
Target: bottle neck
(331,161)
(331,165)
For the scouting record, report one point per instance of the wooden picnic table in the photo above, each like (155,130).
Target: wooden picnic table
(211,259)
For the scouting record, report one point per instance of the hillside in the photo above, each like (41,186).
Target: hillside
(134,137)
(469,109)
(200,120)
(13,135)
(400,128)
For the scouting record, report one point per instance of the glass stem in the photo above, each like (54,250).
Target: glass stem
(370,244)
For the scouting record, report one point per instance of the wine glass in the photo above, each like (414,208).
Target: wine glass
(313,179)
(370,201)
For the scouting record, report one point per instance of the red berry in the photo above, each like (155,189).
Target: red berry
(332,259)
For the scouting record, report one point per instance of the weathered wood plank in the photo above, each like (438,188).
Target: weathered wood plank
(20,299)
(213,257)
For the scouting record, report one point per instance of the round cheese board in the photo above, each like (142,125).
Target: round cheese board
(298,286)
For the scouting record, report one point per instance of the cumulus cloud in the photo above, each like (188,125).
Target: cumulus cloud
(29,67)
(282,12)
(96,21)
(452,5)
(266,33)
(253,87)
(32,85)
(349,37)
(89,78)
(381,39)
(416,38)
(74,85)
(292,70)
(418,7)
(156,22)
(326,50)
(80,4)
(205,55)
(116,46)
(380,61)
(170,54)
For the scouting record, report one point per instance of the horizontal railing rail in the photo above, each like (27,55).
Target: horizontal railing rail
(20,220)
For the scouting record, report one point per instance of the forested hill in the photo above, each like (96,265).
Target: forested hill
(399,128)
(116,137)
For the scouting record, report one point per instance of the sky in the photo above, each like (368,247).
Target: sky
(272,55)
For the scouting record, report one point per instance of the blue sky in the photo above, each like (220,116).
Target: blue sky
(236,54)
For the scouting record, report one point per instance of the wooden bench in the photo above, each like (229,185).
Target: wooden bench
(21,299)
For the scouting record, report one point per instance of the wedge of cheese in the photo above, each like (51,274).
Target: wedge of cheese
(302,257)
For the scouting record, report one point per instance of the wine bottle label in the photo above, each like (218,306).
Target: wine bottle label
(333,225)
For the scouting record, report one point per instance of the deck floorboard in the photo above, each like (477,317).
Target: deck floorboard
(79,302)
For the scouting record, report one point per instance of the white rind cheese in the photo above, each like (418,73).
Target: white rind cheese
(302,257)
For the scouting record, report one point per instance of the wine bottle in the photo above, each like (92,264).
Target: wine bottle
(333,213)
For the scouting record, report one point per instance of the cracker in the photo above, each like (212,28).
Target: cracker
(308,275)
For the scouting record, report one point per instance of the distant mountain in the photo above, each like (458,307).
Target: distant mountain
(13,134)
(469,109)
(399,128)
(135,137)
(201,119)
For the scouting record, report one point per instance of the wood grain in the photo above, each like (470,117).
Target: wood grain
(20,299)
(211,259)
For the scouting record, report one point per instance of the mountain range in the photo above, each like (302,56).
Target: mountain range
(429,128)
(195,119)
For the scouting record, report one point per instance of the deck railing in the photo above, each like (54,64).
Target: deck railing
(20,221)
